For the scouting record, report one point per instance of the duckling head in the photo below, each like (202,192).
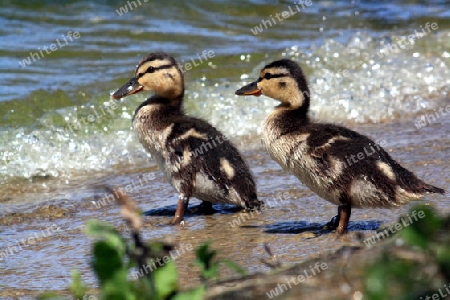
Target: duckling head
(282,80)
(158,72)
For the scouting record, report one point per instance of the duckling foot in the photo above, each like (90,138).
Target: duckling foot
(340,222)
(176,220)
(183,202)
(333,224)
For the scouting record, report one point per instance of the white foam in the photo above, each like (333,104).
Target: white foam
(373,89)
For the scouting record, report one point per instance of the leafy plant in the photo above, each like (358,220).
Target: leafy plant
(209,266)
(112,261)
(420,267)
(114,257)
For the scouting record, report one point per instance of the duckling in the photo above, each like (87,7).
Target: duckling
(318,154)
(198,160)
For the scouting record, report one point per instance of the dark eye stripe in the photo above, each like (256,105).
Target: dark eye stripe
(152,69)
(270,76)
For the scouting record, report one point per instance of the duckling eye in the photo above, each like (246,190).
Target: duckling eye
(267,76)
(150,69)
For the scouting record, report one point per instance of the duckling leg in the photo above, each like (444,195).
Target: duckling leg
(341,220)
(344,212)
(183,202)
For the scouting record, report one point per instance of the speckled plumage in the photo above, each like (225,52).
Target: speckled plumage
(197,159)
(340,165)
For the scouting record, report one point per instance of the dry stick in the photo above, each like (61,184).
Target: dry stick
(129,211)
(273,261)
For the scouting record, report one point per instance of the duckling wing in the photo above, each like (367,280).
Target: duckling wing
(202,155)
(336,147)
(355,162)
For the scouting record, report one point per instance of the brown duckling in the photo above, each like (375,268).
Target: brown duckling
(197,158)
(319,153)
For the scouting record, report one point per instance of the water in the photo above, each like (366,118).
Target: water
(339,46)
(61,134)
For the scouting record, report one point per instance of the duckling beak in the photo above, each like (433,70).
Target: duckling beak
(249,89)
(129,88)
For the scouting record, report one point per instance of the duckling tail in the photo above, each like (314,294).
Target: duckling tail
(433,189)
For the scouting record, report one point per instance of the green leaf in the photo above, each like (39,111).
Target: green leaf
(204,254)
(211,272)
(376,282)
(210,269)
(97,228)
(443,259)
(106,232)
(165,280)
(414,238)
(234,266)
(423,225)
(77,288)
(107,260)
(204,259)
(118,287)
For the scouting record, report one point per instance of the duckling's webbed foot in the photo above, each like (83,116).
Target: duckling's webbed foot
(183,202)
(333,224)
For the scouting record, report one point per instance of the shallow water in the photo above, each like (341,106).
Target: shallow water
(51,162)
(290,226)
(45,107)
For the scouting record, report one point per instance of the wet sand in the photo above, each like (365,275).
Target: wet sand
(59,208)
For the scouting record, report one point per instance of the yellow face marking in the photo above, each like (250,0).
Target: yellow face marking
(278,84)
(275,72)
(162,77)
(154,63)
